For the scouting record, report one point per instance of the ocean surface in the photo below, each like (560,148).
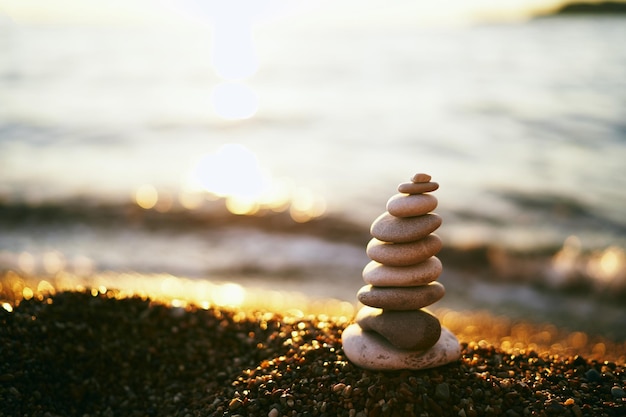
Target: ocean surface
(114,156)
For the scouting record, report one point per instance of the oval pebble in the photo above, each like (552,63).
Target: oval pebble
(414,329)
(390,228)
(403,254)
(419,188)
(370,350)
(402,205)
(422,273)
(401,298)
(617,392)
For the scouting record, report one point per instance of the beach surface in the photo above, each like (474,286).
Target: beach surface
(103,352)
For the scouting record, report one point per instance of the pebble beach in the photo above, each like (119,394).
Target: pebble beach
(93,353)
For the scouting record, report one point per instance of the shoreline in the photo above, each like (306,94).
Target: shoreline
(87,238)
(106,353)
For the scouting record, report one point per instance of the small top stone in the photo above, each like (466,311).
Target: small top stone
(420,177)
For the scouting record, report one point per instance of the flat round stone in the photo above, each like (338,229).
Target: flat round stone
(403,254)
(390,228)
(369,350)
(420,177)
(417,188)
(422,273)
(412,330)
(402,205)
(401,298)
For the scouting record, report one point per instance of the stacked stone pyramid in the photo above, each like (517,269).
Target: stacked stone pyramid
(393,330)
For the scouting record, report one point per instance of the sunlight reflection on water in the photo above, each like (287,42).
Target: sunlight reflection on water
(233,53)
(235,174)
(234,101)
(232,171)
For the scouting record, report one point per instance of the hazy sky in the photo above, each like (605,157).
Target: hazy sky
(345,12)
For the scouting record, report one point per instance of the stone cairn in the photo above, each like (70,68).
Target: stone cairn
(393,330)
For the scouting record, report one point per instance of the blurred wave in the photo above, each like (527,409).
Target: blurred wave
(270,246)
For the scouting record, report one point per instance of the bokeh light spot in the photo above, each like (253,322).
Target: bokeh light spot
(44,287)
(146,196)
(610,261)
(306,205)
(608,266)
(27,293)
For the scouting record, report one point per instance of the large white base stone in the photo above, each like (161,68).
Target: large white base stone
(369,350)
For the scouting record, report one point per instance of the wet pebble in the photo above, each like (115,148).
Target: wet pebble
(442,391)
(593,375)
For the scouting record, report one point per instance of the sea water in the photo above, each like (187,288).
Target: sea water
(522,124)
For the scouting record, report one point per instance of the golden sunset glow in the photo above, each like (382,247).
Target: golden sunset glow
(175,291)
(229,295)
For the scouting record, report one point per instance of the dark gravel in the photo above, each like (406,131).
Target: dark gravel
(74,354)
